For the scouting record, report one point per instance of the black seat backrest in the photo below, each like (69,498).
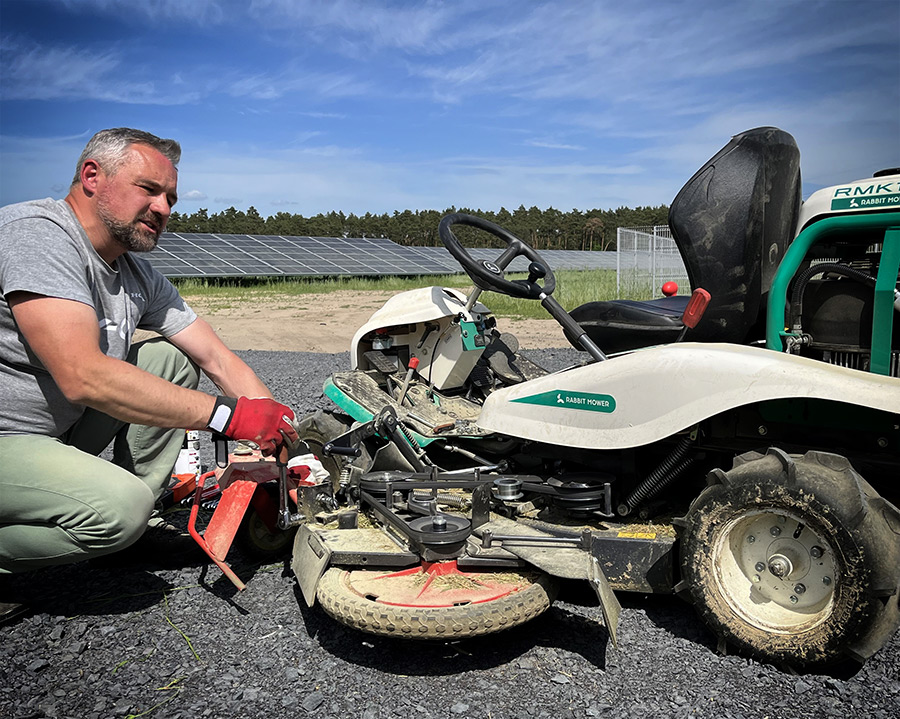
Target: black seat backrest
(733,222)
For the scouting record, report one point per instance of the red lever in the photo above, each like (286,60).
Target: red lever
(411,368)
(696,306)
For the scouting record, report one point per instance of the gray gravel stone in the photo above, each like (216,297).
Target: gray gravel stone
(313,701)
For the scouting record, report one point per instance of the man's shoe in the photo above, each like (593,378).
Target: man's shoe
(167,544)
(163,544)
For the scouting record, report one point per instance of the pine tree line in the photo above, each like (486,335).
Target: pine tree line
(549,229)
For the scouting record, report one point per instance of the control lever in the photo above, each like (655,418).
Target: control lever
(696,306)
(536,271)
(411,368)
(572,327)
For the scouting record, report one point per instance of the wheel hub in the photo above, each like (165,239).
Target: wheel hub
(775,571)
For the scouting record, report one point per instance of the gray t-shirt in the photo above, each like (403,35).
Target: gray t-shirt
(44,249)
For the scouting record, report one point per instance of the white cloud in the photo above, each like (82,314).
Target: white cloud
(192,196)
(292,80)
(38,167)
(37,72)
(159,11)
(550,145)
(380,25)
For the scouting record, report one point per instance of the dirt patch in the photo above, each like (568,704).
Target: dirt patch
(327,322)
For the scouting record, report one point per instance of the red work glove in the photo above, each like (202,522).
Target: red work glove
(263,421)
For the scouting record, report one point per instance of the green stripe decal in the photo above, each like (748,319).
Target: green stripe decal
(586,401)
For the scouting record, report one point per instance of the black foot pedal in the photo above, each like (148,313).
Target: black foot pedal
(380,361)
(481,376)
(501,354)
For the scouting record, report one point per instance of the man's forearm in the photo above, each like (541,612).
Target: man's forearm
(235,378)
(132,395)
(229,372)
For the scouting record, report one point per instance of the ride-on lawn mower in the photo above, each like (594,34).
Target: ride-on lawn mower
(739,447)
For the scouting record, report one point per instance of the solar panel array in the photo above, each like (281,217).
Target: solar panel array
(224,255)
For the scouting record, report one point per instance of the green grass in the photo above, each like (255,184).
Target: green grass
(573,288)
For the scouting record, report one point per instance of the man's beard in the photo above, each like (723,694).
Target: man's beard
(133,236)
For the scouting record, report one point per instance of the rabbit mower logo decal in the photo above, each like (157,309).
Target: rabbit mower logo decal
(572,400)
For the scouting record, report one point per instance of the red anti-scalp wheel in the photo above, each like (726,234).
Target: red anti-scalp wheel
(433,600)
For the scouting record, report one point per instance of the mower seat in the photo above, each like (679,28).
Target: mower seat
(625,325)
(732,223)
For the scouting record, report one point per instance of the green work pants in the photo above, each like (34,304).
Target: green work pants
(61,503)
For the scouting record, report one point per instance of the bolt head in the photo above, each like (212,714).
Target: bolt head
(756,579)
(760,566)
(800,588)
(826,581)
(751,539)
(794,599)
(775,531)
(816,552)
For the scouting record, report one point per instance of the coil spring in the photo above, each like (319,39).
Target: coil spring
(344,479)
(667,470)
(451,500)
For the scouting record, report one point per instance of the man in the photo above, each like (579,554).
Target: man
(73,292)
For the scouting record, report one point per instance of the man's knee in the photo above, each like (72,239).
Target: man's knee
(120,527)
(160,357)
(47,526)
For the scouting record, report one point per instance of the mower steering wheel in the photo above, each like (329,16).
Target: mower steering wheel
(489,275)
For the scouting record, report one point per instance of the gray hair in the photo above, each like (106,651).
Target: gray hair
(109,148)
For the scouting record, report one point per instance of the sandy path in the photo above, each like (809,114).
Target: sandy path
(326,322)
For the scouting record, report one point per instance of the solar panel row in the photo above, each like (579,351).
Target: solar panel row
(226,255)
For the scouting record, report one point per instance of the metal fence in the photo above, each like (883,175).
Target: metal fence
(646,258)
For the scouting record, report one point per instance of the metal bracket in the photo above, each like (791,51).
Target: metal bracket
(347,444)
(609,604)
(526,540)
(310,559)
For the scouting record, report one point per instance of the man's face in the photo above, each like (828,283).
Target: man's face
(135,202)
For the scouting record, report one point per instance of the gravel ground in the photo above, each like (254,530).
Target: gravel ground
(136,640)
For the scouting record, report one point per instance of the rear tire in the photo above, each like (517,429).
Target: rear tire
(347,597)
(254,536)
(794,559)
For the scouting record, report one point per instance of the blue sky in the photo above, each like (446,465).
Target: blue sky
(308,107)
